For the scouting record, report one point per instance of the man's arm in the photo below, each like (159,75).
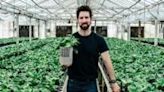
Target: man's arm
(108,64)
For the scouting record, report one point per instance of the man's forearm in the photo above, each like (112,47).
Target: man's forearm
(110,70)
(108,64)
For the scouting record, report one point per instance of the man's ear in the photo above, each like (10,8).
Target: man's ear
(91,20)
(77,22)
(76,19)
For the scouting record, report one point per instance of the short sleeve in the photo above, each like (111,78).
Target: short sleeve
(102,45)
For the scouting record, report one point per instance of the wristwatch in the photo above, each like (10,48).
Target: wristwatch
(112,81)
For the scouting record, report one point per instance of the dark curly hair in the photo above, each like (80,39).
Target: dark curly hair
(83,8)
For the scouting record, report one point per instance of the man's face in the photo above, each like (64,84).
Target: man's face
(84,20)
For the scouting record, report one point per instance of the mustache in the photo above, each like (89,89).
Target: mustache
(84,23)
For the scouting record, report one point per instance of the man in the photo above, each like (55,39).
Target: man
(83,72)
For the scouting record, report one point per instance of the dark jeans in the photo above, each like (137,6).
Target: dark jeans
(81,86)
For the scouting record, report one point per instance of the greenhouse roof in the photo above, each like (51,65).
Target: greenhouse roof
(103,10)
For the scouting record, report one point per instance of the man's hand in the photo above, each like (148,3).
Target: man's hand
(64,67)
(115,87)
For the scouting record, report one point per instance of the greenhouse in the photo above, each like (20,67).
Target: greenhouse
(36,37)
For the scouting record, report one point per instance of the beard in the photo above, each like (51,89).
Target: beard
(84,26)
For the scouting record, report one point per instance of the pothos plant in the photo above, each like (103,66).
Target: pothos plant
(68,41)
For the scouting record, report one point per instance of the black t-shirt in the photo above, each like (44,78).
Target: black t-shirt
(85,56)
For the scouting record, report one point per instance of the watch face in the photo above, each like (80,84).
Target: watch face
(112,81)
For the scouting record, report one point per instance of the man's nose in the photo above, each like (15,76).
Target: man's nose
(84,20)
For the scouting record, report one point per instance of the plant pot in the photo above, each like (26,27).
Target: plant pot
(66,56)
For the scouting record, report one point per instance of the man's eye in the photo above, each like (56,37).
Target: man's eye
(81,17)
